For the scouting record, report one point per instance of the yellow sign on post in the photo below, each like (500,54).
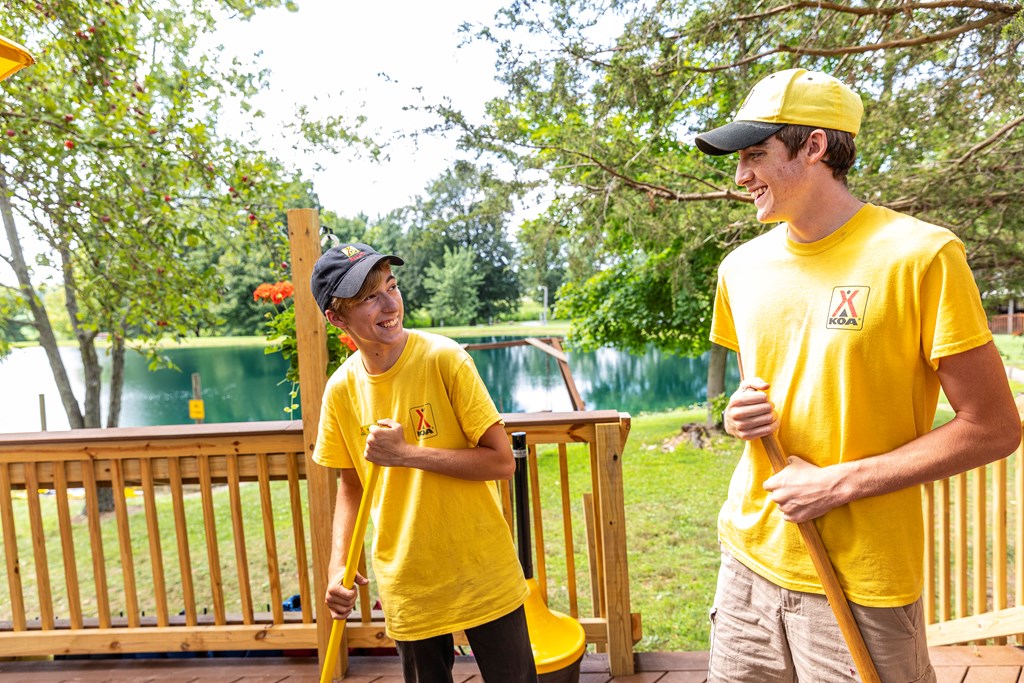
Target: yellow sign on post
(196,411)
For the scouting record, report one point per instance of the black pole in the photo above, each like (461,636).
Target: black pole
(522,496)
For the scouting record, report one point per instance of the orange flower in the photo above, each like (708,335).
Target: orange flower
(281,291)
(347,341)
(275,293)
(262,292)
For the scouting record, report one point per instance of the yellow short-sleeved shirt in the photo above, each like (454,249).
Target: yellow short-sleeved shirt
(848,331)
(443,554)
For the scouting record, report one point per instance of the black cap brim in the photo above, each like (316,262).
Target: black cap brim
(732,137)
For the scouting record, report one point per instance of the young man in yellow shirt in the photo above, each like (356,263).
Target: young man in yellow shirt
(847,319)
(414,403)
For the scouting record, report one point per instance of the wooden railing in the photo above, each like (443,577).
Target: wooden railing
(974,554)
(186,563)
(1006,323)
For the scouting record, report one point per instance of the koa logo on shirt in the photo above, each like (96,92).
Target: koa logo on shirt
(846,312)
(422,420)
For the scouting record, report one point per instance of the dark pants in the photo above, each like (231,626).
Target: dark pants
(501,647)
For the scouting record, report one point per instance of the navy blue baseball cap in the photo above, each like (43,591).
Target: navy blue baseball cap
(342,270)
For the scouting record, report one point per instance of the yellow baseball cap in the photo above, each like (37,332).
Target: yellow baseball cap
(793,96)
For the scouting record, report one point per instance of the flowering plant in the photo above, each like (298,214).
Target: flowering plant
(281,334)
(274,293)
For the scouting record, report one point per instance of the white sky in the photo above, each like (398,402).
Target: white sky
(349,58)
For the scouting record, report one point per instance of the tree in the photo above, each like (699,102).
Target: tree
(469,208)
(243,260)
(544,252)
(452,288)
(603,99)
(112,163)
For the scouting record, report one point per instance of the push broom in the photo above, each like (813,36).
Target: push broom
(827,574)
(355,549)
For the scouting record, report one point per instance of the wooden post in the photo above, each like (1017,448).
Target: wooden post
(613,531)
(304,239)
(42,412)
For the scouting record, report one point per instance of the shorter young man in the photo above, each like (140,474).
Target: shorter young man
(414,403)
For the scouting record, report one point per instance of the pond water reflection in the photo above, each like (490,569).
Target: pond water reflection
(241,384)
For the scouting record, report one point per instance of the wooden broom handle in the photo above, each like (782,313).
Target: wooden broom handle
(355,549)
(827,573)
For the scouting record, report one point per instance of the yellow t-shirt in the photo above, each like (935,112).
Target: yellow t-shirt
(443,555)
(848,331)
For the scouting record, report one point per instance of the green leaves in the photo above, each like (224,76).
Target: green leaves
(604,97)
(636,303)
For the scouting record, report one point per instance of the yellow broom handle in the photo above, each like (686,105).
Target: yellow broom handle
(355,548)
(827,573)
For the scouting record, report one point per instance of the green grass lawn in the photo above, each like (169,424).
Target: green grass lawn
(673,494)
(1011,347)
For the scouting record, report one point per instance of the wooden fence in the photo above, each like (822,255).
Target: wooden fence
(974,554)
(1006,324)
(208,546)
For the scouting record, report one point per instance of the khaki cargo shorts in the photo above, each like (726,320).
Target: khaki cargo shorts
(761,633)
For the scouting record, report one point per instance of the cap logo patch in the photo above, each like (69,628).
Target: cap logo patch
(848,307)
(349,251)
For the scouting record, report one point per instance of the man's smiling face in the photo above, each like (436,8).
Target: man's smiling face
(768,173)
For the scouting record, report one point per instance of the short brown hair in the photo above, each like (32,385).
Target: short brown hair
(839,156)
(373,280)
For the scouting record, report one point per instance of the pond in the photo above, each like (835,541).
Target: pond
(242,384)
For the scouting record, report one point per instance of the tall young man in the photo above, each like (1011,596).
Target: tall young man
(847,319)
(413,403)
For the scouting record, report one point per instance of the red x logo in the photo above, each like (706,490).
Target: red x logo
(846,299)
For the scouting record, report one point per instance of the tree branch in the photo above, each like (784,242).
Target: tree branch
(650,189)
(655,191)
(856,49)
(990,141)
(894,10)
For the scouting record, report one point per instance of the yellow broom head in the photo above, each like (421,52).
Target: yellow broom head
(558,640)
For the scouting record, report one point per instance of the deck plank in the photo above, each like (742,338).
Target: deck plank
(671,661)
(993,674)
(684,677)
(950,674)
(973,655)
(960,664)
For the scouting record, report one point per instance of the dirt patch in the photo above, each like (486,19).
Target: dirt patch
(694,434)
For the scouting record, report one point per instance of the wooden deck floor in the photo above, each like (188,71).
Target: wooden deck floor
(961,664)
